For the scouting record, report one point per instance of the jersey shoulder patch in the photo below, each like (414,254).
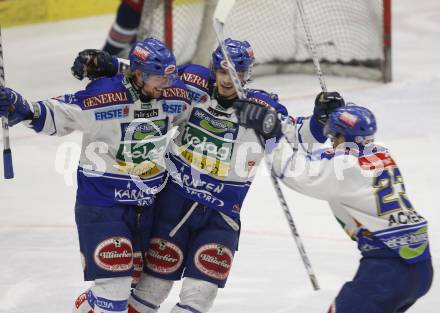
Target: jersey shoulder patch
(175,98)
(197,76)
(100,93)
(378,159)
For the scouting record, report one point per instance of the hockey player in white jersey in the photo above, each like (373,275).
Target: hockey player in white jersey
(124,121)
(365,190)
(213,160)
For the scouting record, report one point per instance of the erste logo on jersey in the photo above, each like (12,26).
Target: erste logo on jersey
(141,53)
(117,112)
(114,254)
(214,260)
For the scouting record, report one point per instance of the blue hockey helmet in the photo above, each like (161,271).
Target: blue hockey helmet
(357,124)
(151,56)
(241,53)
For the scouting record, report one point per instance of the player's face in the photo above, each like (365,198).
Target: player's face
(224,83)
(152,85)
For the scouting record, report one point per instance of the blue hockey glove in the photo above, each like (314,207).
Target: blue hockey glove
(93,64)
(264,120)
(14,107)
(325,103)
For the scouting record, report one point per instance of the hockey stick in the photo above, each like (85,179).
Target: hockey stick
(220,15)
(8,170)
(311,43)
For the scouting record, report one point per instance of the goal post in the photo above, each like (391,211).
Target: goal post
(352,37)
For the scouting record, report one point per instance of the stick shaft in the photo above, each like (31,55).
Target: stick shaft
(8,169)
(311,44)
(220,16)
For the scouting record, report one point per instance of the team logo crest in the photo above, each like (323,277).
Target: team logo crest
(114,254)
(224,64)
(163,256)
(170,69)
(214,260)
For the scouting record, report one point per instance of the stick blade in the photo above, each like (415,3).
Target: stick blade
(222,10)
(7,164)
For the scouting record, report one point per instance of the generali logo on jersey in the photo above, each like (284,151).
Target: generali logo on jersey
(174,92)
(114,254)
(105,98)
(196,80)
(260,101)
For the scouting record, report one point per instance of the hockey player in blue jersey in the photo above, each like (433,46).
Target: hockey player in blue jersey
(124,121)
(365,190)
(212,162)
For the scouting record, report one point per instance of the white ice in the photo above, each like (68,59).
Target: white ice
(40,264)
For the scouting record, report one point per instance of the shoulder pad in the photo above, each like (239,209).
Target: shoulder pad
(101,93)
(376,160)
(177,90)
(266,99)
(175,98)
(197,76)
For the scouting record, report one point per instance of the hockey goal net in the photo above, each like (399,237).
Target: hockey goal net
(352,37)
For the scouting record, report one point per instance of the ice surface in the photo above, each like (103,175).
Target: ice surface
(40,267)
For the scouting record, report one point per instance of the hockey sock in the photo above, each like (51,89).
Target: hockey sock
(123,31)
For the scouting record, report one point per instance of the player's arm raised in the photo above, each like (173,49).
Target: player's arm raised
(272,120)
(58,116)
(93,64)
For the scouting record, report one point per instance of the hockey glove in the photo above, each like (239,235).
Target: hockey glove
(325,103)
(14,107)
(94,64)
(264,120)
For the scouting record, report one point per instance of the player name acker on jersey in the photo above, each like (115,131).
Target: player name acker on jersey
(214,158)
(124,138)
(366,194)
